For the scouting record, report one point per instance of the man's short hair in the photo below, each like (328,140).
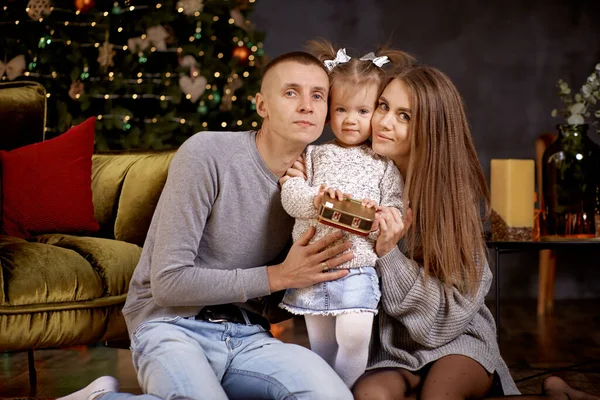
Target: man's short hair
(300,57)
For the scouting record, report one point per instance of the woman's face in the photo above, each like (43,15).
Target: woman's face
(391,121)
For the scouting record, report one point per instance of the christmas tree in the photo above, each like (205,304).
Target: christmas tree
(153,73)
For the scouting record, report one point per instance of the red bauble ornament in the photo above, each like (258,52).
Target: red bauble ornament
(242,53)
(84,5)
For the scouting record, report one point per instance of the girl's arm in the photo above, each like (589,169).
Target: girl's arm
(433,313)
(297,193)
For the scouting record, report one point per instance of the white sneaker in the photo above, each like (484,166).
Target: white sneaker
(102,385)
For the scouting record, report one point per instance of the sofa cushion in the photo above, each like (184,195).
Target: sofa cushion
(114,198)
(47,185)
(22,114)
(35,273)
(113,260)
(55,271)
(140,193)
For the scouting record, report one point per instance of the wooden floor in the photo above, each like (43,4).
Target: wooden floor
(566,344)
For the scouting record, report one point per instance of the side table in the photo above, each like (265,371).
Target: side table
(505,247)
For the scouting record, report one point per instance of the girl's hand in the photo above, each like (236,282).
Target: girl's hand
(372,204)
(333,193)
(392,228)
(298,169)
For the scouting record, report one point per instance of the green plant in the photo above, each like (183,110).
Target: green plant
(580,106)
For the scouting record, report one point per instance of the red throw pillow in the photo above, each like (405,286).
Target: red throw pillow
(47,186)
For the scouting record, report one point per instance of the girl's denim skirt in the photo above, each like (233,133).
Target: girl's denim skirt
(356,292)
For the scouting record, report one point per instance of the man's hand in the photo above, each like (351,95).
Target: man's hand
(305,263)
(298,169)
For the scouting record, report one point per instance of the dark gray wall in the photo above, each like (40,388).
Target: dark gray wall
(505,58)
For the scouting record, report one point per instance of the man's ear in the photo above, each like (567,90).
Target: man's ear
(261,107)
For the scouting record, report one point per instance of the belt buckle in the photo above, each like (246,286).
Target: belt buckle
(210,317)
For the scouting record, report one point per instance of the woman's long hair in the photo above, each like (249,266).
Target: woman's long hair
(444,183)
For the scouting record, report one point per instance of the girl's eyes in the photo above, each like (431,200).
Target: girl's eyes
(364,111)
(404,116)
(340,109)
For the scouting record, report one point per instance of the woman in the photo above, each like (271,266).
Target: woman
(435,338)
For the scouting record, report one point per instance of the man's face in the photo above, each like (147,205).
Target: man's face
(293,101)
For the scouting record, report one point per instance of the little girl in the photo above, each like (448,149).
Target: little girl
(339,314)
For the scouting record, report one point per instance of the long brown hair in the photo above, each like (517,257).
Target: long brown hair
(444,182)
(356,72)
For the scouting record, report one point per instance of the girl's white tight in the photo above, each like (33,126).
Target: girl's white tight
(342,341)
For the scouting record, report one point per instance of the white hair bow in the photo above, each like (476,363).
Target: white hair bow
(14,68)
(379,61)
(340,58)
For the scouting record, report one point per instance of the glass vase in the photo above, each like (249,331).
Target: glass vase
(570,177)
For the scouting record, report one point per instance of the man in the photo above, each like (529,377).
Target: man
(198,298)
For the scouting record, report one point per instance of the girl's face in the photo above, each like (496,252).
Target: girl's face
(350,110)
(390,123)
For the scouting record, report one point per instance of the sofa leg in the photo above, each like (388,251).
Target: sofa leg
(32,372)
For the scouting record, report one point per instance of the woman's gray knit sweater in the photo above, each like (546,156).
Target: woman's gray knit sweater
(423,321)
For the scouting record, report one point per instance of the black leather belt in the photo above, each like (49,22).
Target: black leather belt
(231,313)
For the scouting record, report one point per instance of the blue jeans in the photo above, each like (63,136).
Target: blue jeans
(185,358)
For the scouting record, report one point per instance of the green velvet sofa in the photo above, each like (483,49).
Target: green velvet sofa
(61,290)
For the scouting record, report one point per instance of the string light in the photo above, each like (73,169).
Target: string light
(246,74)
(215,18)
(204,124)
(239,122)
(224,124)
(197,14)
(254,124)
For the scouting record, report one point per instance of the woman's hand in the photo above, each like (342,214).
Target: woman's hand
(298,169)
(305,263)
(392,228)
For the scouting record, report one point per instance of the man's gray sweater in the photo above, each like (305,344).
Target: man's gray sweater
(218,223)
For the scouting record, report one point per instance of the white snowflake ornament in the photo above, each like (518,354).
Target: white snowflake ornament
(36,9)
(190,7)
